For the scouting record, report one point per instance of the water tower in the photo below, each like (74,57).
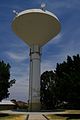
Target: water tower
(35,27)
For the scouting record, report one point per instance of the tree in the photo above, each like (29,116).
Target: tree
(5,81)
(62,85)
(47,90)
(68,81)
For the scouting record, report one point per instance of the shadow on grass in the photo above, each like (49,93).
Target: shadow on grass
(3,115)
(70,116)
(59,110)
(55,110)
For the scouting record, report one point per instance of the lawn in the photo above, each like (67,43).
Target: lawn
(64,117)
(12,117)
(67,115)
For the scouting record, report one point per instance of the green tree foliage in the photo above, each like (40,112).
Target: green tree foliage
(5,81)
(47,90)
(62,85)
(68,81)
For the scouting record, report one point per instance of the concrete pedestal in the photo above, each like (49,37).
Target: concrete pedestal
(34,82)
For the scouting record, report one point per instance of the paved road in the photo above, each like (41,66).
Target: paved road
(36,117)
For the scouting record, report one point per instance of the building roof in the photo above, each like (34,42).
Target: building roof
(6,102)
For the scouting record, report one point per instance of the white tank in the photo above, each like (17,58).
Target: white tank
(35,26)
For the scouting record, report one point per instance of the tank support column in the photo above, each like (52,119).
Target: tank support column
(34,80)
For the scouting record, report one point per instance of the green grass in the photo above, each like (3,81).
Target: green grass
(12,117)
(55,117)
(67,115)
(64,117)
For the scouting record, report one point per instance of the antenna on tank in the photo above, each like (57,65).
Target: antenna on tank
(15,12)
(43,6)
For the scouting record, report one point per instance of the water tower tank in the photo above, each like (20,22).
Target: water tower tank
(36,27)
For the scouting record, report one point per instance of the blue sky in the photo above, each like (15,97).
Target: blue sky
(14,51)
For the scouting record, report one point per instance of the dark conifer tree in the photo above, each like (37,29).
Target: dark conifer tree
(5,81)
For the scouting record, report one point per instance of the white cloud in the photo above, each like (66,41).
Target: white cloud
(56,39)
(18,56)
(47,65)
(52,59)
(50,63)
(20,90)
